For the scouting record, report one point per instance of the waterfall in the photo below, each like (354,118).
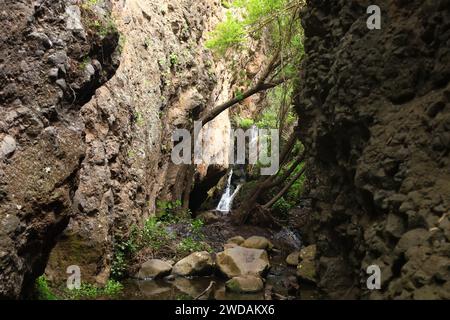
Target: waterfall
(226,200)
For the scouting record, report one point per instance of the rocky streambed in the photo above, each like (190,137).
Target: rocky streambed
(246,269)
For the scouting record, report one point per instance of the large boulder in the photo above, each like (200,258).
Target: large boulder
(196,264)
(153,269)
(257,242)
(306,269)
(245,284)
(241,261)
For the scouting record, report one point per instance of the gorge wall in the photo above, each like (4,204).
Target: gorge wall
(374,108)
(50,66)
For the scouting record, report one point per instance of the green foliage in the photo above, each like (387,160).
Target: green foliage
(227,34)
(282,206)
(43,290)
(155,235)
(196,228)
(85,62)
(189,245)
(89,291)
(170,211)
(243,123)
(174,60)
(123,250)
(249,18)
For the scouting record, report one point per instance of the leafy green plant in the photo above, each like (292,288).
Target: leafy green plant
(244,123)
(189,245)
(196,227)
(168,211)
(89,291)
(112,288)
(43,290)
(85,62)
(154,233)
(174,60)
(228,33)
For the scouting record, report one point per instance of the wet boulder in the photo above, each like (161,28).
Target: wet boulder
(241,261)
(306,269)
(153,269)
(196,264)
(245,284)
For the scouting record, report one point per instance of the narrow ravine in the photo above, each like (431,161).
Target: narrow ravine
(215,150)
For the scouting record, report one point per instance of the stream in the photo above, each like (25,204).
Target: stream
(181,288)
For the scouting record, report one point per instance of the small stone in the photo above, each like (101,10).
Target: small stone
(58,58)
(74,19)
(53,73)
(395,225)
(90,69)
(293,259)
(237,240)
(245,284)
(62,84)
(308,253)
(43,38)
(257,242)
(10,223)
(7,146)
(306,269)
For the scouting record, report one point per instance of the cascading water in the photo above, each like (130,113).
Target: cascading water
(226,201)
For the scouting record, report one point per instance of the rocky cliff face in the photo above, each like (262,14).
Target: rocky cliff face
(375,120)
(165,77)
(84,140)
(52,60)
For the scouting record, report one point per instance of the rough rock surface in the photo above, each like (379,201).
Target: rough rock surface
(154,268)
(197,263)
(165,77)
(239,261)
(52,60)
(306,269)
(375,121)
